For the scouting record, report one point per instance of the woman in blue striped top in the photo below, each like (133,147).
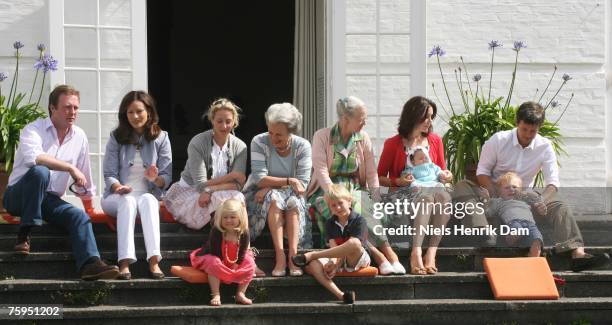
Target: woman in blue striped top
(280,171)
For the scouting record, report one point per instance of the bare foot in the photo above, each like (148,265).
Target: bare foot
(242,299)
(578,252)
(429,263)
(215,300)
(258,273)
(536,249)
(124,266)
(281,266)
(416,265)
(154,268)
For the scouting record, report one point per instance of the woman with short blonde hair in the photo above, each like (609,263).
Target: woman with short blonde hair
(215,169)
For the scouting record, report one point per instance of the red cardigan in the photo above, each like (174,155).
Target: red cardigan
(393,158)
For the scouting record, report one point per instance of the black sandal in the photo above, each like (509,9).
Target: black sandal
(156,275)
(124,276)
(299,260)
(349,297)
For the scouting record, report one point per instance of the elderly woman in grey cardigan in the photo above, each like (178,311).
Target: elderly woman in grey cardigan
(280,171)
(214,172)
(137,168)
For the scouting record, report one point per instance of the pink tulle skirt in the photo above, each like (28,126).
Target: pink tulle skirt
(212,265)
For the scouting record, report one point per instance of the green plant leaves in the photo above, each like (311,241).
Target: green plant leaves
(12,120)
(468,132)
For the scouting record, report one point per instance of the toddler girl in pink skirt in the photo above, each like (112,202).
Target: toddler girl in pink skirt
(226,256)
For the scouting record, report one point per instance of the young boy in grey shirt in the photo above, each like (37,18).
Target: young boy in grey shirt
(514,208)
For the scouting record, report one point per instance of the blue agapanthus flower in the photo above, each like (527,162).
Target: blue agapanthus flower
(3,76)
(493,44)
(46,63)
(477,77)
(518,45)
(41,47)
(437,51)
(17,45)
(566,77)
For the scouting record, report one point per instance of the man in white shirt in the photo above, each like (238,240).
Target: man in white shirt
(523,151)
(52,151)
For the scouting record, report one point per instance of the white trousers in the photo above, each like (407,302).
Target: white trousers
(125,208)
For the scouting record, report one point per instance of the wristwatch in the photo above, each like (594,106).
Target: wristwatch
(208,190)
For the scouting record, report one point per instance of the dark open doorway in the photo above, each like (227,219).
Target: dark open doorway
(201,50)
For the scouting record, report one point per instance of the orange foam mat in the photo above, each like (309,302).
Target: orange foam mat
(521,278)
(189,274)
(96,216)
(364,272)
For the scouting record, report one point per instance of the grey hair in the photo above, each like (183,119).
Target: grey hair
(285,113)
(347,106)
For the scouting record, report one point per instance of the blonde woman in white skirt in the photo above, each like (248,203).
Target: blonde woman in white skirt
(214,172)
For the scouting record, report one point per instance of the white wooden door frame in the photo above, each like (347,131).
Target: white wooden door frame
(336,49)
(138,60)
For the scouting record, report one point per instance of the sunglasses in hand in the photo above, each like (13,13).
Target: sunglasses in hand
(77,190)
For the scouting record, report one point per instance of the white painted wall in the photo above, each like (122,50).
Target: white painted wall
(101,48)
(26,21)
(571,34)
(378,61)
(374,43)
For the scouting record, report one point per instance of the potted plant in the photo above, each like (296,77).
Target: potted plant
(17,109)
(484,115)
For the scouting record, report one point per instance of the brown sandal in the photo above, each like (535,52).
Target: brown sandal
(431,269)
(416,270)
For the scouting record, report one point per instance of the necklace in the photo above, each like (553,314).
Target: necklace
(139,142)
(226,254)
(287,146)
(412,142)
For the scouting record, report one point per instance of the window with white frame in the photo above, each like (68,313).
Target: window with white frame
(376,52)
(101,47)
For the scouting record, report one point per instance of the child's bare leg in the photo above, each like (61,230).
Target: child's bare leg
(241,297)
(215,296)
(351,250)
(316,270)
(536,249)
(275,224)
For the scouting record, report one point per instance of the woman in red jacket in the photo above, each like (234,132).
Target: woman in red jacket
(415,132)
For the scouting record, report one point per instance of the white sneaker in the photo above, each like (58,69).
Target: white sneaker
(398,268)
(385,268)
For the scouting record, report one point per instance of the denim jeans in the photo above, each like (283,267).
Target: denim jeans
(28,198)
(534,232)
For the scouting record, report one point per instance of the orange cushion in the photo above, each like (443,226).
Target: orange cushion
(365,272)
(189,274)
(521,278)
(165,215)
(6,218)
